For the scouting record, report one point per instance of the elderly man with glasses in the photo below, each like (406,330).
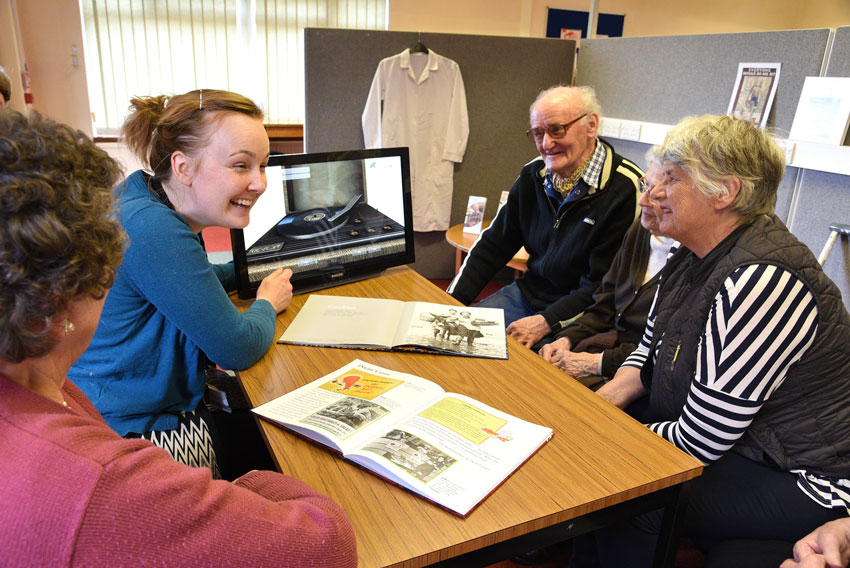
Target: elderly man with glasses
(569,208)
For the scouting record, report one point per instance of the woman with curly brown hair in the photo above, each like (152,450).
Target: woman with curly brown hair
(73,491)
(169,315)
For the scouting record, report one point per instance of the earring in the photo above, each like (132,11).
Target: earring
(69,327)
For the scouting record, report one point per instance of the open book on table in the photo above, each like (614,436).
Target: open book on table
(447,448)
(373,323)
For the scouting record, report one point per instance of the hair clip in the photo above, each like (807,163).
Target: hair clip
(201,100)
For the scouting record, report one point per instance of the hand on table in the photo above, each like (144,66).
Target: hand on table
(625,388)
(578,365)
(552,352)
(529,330)
(276,289)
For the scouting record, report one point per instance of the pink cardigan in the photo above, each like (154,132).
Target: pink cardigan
(74,493)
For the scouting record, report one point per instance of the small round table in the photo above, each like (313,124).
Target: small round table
(464,241)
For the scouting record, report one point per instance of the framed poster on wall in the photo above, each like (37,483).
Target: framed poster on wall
(755,88)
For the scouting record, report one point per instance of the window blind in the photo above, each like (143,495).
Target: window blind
(253,47)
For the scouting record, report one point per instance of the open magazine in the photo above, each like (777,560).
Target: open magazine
(447,448)
(373,323)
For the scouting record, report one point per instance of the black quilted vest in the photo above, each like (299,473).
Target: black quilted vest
(806,423)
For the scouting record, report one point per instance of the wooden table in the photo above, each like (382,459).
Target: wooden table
(462,242)
(600,465)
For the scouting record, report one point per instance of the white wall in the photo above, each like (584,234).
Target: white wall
(49,29)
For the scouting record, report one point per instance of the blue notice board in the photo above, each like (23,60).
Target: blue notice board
(610,25)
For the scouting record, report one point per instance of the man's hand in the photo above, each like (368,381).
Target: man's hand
(828,547)
(577,365)
(529,330)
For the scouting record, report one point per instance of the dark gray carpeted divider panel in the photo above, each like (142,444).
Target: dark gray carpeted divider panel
(785,193)
(839,55)
(662,79)
(502,76)
(634,151)
(824,199)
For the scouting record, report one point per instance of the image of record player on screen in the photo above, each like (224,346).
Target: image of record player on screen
(320,198)
(330,217)
(312,223)
(326,206)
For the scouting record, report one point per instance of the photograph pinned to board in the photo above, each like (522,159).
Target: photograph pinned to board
(823,111)
(755,88)
(474,214)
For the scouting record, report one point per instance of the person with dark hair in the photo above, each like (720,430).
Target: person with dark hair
(569,208)
(745,360)
(74,492)
(168,316)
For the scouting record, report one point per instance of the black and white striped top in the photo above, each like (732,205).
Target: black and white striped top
(762,321)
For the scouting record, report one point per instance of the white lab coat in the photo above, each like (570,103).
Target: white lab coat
(424,108)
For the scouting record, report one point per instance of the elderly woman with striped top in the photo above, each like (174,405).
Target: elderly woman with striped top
(745,362)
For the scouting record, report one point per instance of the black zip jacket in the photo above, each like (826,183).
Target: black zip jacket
(568,254)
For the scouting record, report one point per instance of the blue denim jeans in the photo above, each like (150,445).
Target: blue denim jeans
(511,300)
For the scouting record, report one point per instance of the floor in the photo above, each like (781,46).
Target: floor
(687,556)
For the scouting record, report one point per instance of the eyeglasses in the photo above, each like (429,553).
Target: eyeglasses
(646,187)
(553,130)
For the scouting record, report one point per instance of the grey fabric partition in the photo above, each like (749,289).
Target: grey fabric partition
(839,55)
(662,79)
(635,151)
(824,198)
(502,75)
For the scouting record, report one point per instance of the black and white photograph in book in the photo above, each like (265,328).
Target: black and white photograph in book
(456,329)
(353,412)
(382,323)
(419,458)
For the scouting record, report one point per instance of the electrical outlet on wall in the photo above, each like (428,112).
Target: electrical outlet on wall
(609,127)
(630,130)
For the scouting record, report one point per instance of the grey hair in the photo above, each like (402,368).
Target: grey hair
(587,99)
(653,155)
(714,148)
